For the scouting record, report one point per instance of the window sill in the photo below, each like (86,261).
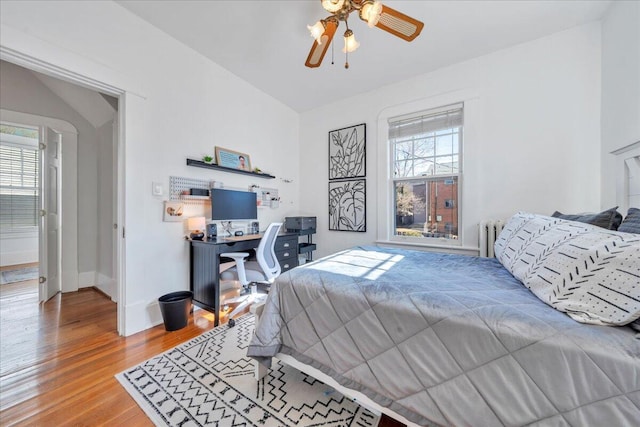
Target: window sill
(432,247)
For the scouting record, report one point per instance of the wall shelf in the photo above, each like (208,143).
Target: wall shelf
(201,164)
(190,197)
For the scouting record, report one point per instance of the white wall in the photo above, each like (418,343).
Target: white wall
(177,104)
(620,88)
(532,134)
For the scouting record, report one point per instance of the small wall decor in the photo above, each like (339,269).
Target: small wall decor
(347,205)
(233,159)
(173,211)
(267,197)
(347,152)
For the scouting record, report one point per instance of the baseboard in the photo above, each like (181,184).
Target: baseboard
(140,316)
(106,285)
(87,279)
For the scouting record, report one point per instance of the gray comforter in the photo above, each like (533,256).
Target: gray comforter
(450,340)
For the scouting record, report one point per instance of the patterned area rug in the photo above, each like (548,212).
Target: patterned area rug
(209,381)
(20,275)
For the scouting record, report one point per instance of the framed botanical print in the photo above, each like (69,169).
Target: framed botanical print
(347,205)
(347,152)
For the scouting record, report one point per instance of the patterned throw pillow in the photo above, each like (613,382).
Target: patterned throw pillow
(631,223)
(589,273)
(609,219)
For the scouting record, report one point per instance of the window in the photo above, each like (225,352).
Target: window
(19,187)
(426,168)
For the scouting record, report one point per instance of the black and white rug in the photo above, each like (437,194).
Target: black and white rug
(209,381)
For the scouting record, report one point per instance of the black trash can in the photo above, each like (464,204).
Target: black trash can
(175,308)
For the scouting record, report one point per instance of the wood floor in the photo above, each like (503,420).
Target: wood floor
(58,360)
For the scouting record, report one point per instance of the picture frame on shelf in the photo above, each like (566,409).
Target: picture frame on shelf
(233,159)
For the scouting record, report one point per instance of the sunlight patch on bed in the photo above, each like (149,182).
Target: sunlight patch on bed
(365,264)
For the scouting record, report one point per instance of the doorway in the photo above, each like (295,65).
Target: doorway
(19,207)
(84,211)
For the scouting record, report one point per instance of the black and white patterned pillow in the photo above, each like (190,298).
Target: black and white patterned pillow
(631,223)
(590,273)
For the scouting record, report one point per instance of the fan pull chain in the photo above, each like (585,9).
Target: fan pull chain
(331,53)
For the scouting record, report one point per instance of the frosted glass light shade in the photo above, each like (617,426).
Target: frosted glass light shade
(196,223)
(350,42)
(371,12)
(316,30)
(332,5)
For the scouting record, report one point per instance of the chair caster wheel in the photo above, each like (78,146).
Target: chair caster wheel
(232,323)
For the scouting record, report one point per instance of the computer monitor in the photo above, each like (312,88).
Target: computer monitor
(227,205)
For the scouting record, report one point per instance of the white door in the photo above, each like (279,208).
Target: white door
(50,243)
(115,294)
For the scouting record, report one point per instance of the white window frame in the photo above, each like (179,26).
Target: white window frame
(427,178)
(385,181)
(28,143)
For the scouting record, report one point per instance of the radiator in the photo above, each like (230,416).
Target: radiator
(487,234)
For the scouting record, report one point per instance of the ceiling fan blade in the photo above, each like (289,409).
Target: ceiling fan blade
(399,24)
(316,54)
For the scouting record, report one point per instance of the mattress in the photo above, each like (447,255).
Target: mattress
(449,340)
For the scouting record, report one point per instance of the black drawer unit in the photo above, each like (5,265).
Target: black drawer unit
(288,263)
(286,242)
(287,252)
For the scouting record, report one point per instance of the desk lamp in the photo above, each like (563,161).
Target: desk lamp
(196,225)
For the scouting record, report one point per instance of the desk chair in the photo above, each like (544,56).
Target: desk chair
(247,273)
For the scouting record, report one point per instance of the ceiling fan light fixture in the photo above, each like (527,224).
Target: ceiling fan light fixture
(373,12)
(350,42)
(317,30)
(370,12)
(332,6)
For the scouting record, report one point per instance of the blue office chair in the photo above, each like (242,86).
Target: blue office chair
(247,274)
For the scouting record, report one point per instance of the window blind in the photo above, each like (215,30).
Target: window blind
(427,121)
(18,187)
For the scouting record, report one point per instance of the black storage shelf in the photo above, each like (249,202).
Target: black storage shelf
(306,232)
(304,248)
(201,164)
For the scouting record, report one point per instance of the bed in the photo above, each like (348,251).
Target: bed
(439,339)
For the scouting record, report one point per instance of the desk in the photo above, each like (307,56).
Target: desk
(205,264)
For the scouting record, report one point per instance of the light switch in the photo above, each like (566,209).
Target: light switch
(156,189)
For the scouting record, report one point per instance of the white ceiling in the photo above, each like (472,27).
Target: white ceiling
(266,42)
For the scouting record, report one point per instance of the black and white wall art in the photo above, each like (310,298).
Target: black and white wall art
(347,196)
(347,153)
(347,205)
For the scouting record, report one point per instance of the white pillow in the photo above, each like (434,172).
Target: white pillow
(588,272)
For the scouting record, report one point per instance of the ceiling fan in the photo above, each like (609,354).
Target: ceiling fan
(373,12)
